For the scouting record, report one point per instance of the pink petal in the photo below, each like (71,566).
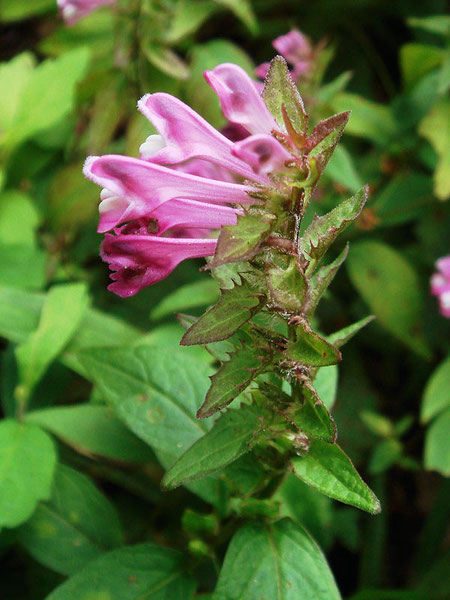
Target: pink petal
(145,186)
(294,46)
(189,213)
(262,152)
(187,135)
(203,168)
(262,70)
(240,101)
(443,265)
(444,303)
(141,260)
(439,284)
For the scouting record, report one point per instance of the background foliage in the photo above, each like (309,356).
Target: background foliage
(80,466)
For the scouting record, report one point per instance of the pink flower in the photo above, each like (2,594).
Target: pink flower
(298,51)
(73,10)
(440,285)
(162,208)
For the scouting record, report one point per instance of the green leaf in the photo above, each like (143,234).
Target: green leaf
(189,15)
(47,96)
(341,169)
(328,469)
(233,435)
(313,418)
(280,91)
(243,240)
(311,349)
(235,307)
(322,232)
(436,396)
(403,199)
(131,573)
(369,120)
(341,337)
(92,429)
(245,364)
(325,383)
(275,561)
(23,266)
(287,287)
(243,11)
(62,313)
(385,454)
(435,127)
(324,139)
(19,219)
(165,60)
(416,60)
(15,10)
(27,464)
(439,24)
(391,288)
(75,526)
(191,295)
(14,76)
(437,445)
(321,280)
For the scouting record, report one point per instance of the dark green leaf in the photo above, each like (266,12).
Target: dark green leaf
(313,418)
(132,573)
(436,397)
(280,91)
(341,169)
(245,364)
(188,16)
(243,11)
(191,295)
(324,230)
(92,429)
(322,279)
(243,240)
(328,469)
(437,444)
(288,287)
(341,337)
(278,561)
(235,307)
(403,199)
(233,435)
(311,349)
(75,526)
(27,464)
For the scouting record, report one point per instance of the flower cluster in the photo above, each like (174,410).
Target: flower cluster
(440,285)
(189,180)
(73,10)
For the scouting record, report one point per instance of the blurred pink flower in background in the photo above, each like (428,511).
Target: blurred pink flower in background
(298,51)
(440,285)
(72,10)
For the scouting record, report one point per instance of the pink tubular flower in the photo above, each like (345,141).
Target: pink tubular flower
(297,49)
(440,285)
(73,10)
(161,208)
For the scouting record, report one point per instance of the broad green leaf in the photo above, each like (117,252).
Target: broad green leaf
(313,418)
(188,16)
(23,266)
(235,307)
(434,24)
(391,288)
(20,316)
(437,444)
(311,349)
(233,435)
(435,127)
(191,295)
(328,469)
(131,573)
(325,383)
(233,377)
(287,286)
(280,91)
(47,96)
(341,337)
(341,169)
(27,464)
(320,281)
(62,313)
(243,11)
(277,561)
(416,60)
(92,429)
(75,526)
(322,232)
(403,199)
(436,396)
(368,119)
(242,241)
(19,219)
(205,57)
(14,75)
(16,10)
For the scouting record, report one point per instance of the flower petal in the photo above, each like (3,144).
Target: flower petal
(186,135)
(240,101)
(141,260)
(189,213)
(145,186)
(443,265)
(294,46)
(262,152)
